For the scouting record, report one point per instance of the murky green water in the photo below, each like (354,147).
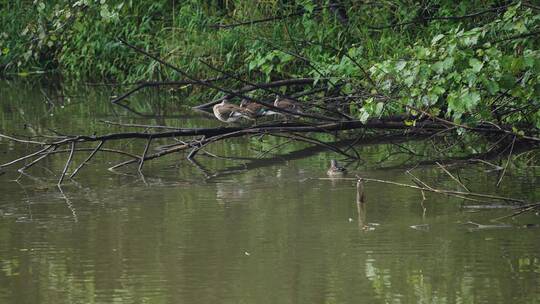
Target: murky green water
(230,231)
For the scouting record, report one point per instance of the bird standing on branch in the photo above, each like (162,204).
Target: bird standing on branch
(255,110)
(227,112)
(287,104)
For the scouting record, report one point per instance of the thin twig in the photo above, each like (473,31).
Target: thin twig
(25,157)
(251,22)
(507,162)
(523,210)
(35,161)
(141,163)
(419,182)
(138,125)
(487,163)
(87,159)
(68,162)
(213,86)
(423,19)
(273,84)
(142,85)
(453,177)
(269,105)
(24,141)
(449,192)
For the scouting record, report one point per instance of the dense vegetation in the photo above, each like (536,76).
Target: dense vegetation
(468,61)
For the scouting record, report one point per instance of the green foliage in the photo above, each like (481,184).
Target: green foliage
(466,71)
(458,68)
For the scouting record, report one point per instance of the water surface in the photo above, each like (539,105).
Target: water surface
(237,231)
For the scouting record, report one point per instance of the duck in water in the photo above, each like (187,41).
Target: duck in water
(335,169)
(227,112)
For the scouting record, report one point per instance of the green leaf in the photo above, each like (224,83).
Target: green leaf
(400,65)
(252,65)
(537,119)
(435,111)
(455,106)
(529,60)
(475,64)
(436,39)
(448,63)
(410,123)
(316,78)
(491,86)
(508,81)
(438,90)
(364,116)
(438,67)
(470,100)
(379,108)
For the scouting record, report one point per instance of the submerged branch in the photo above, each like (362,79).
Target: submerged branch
(87,159)
(431,189)
(68,162)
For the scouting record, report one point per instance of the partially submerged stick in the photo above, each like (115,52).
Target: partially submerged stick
(453,177)
(68,162)
(87,159)
(430,189)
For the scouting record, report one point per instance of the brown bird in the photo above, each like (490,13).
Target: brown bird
(227,112)
(255,110)
(287,104)
(335,169)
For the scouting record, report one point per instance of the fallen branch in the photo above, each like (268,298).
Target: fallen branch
(141,163)
(146,84)
(453,177)
(272,106)
(256,21)
(137,125)
(21,170)
(87,159)
(429,189)
(507,162)
(424,19)
(523,210)
(23,157)
(54,151)
(68,162)
(212,86)
(249,88)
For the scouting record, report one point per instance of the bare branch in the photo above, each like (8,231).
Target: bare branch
(452,177)
(141,163)
(68,162)
(87,159)
(507,162)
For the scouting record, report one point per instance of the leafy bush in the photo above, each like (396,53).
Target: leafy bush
(464,73)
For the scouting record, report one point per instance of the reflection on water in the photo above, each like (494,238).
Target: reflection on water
(229,231)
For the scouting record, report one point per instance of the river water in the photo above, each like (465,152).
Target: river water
(258,229)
